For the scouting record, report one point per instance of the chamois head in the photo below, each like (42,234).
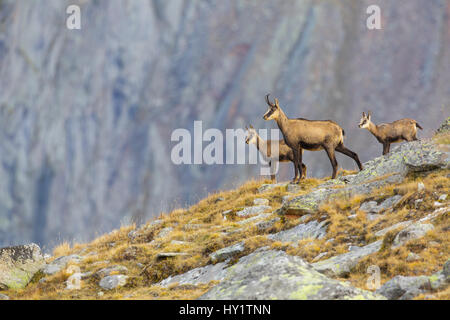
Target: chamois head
(252,136)
(274,109)
(365,120)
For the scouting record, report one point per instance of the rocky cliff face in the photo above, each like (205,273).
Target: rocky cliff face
(86,116)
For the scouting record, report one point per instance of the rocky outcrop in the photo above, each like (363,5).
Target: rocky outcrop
(271,274)
(18,265)
(392,168)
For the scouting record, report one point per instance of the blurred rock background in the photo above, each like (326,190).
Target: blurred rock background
(86,115)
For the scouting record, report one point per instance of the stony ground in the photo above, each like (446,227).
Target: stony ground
(378,234)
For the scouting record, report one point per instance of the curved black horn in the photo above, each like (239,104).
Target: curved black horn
(268,101)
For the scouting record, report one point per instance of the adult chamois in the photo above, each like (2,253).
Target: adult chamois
(387,133)
(311,135)
(285,153)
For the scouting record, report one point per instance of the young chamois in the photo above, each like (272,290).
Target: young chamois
(387,133)
(285,153)
(311,135)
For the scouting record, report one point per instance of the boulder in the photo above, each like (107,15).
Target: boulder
(404,288)
(312,230)
(272,274)
(18,265)
(113,282)
(165,232)
(267,224)
(212,272)
(3,297)
(414,231)
(341,265)
(248,211)
(228,252)
(113,269)
(60,263)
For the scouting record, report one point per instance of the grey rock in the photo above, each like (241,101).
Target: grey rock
(261,202)
(268,187)
(248,211)
(412,257)
(369,207)
(60,263)
(285,199)
(446,269)
(341,265)
(165,232)
(319,256)
(273,274)
(312,230)
(293,188)
(253,219)
(228,252)
(266,225)
(445,126)
(374,207)
(400,225)
(404,288)
(373,216)
(212,272)
(107,271)
(113,282)
(192,226)
(443,197)
(18,264)
(3,297)
(414,231)
(439,281)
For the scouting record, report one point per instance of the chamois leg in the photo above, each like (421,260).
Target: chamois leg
(273,167)
(296,165)
(303,176)
(388,148)
(342,149)
(332,157)
(385,148)
(300,165)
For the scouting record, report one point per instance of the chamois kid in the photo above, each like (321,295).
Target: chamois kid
(311,135)
(387,133)
(285,153)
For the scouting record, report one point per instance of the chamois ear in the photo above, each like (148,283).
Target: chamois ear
(251,127)
(369,114)
(276,103)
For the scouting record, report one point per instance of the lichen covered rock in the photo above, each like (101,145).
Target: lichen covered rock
(273,274)
(18,265)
